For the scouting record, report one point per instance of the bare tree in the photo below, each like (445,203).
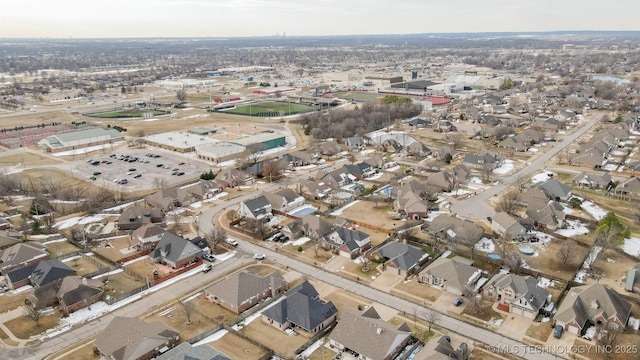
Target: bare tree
(258,227)
(431,317)
(608,337)
(273,170)
(509,202)
(181,95)
(513,261)
(255,152)
(188,308)
(34,313)
(486,172)
(454,139)
(215,237)
(176,216)
(566,250)
(232,215)
(364,260)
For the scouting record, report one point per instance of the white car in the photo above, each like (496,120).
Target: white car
(258,256)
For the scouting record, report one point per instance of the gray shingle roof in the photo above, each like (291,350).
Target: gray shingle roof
(186,351)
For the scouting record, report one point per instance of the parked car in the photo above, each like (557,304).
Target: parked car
(137,176)
(232,242)
(259,256)
(159,165)
(557,331)
(457,302)
(96,173)
(209,257)
(207,268)
(433,208)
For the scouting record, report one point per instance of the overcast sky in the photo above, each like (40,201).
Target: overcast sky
(226,18)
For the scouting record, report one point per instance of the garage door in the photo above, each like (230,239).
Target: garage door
(516,310)
(345,254)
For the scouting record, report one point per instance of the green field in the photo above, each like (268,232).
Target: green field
(131,113)
(357,96)
(268,109)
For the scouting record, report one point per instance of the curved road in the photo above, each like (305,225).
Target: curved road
(476,207)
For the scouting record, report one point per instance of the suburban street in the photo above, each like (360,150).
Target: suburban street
(476,207)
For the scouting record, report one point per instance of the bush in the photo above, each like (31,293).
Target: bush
(299,248)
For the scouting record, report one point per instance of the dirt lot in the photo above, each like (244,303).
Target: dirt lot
(120,283)
(340,298)
(9,301)
(238,348)
(29,158)
(422,291)
(175,316)
(367,212)
(211,310)
(115,249)
(273,338)
(547,260)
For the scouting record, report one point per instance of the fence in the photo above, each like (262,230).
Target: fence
(111,299)
(135,256)
(175,273)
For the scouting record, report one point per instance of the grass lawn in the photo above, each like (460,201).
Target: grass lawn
(213,311)
(26,158)
(483,312)
(343,300)
(174,315)
(61,248)
(238,348)
(422,291)
(121,283)
(9,301)
(273,338)
(269,109)
(24,327)
(626,347)
(357,96)
(127,113)
(539,331)
(80,352)
(82,266)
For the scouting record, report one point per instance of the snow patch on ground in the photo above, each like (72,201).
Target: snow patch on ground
(545,283)
(631,246)
(87,149)
(506,167)
(574,227)
(303,240)
(542,177)
(586,265)
(594,210)
(80,220)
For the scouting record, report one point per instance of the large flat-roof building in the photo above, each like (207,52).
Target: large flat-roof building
(220,151)
(79,139)
(177,141)
(268,140)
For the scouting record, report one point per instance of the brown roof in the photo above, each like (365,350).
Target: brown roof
(367,334)
(130,338)
(243,286)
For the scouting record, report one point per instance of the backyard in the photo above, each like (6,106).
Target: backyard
(238,348)
(273,338)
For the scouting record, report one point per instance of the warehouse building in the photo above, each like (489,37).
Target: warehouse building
(221,151)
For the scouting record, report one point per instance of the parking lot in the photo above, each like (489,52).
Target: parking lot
(138,169)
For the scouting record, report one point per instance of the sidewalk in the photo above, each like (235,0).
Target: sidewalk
(10,315)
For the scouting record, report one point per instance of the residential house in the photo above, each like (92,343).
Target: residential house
(134,217)
(175,251)
(401,259)
(554,189)
(390,146)
(341,176)
(485,160)
(420,123)
(593,158)
(361,170)
(230,178)
(416,149)
(355,142)
(71,293)
(146,236)
(450,228)
(301,310)
(202,190)
(441,349)
(38,274)
(444,126)
(452,275)
(599,181)
(20,255)
(131,339)
(186,351)
(411,205)
(629,187)
(349,243)
(243,290)
(513,142)
(9,237)
(328,148)
(366,334)
(445,153)
(169,199)
(299,158)
(519,295)
(594,304)
(550,215)
(503,223)
(316,189)
(445,181)
(284,200)
(257,208)
(315,227)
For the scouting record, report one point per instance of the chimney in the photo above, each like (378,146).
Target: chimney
(272,281)
(379,331)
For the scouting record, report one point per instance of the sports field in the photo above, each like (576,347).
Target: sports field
(133,113)
(269,109)
(358,96)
